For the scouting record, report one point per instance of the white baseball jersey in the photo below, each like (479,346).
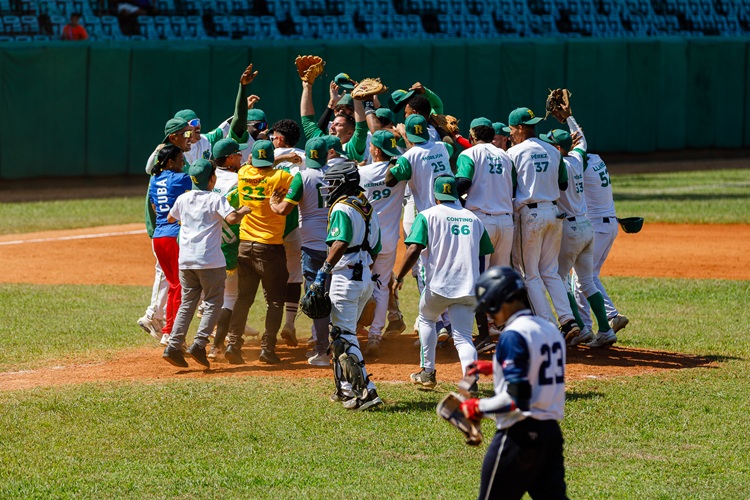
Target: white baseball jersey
(598,189)
(434,136)
(201,214)
(290,167)
(572,201)
(420,165)
(246,153)
(489,169)
(532,349)
(387,202)
(453,238)
(538,170)
(348,224)
(313,215)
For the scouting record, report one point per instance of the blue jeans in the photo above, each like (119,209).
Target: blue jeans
(312,261)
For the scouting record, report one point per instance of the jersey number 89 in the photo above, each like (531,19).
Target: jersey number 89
(377,194)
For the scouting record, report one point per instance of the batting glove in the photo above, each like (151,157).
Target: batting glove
(470,407)
(479,367)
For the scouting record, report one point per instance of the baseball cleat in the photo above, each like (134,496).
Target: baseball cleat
(395,328)
(373,347)
(269,357)
(289,334)
(198,353)
(150,326)
(603,339)
(618,322)
(340,397)
(444,335)
(319,360)
(425,379)
(371,400)
(174,357)
(215,350)
(583,337)
(570,330)
(484,345)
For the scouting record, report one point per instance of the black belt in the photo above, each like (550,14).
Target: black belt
(606,219)
(572,219)
(534,205)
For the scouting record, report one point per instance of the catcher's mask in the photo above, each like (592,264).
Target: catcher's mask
(495,287)
(341,179)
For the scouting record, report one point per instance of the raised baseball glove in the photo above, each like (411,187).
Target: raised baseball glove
(450,409)
(309,67)
(367,88)
(315,303)
(446,122)
(558,100)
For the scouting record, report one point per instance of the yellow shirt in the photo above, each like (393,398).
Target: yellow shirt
(255,187)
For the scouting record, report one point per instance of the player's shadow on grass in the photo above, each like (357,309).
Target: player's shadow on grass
(636,360)
(680,197)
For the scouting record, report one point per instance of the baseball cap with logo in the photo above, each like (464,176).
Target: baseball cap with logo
(256,115)
(558,137)
(200,173)
(316,152)
(226,147)
(416,129)
(445,188)
(262,154)
(386,114)
(334,143)
(501,129)
(397,100)
(480,121)
(386,141)
(343,81)
(173,125)
(522,116)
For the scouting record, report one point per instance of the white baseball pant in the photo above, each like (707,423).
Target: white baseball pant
(604,237)
(500,230)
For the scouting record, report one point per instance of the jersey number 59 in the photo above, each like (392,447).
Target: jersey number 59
(552,370)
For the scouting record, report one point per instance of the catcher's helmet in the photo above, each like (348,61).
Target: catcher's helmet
(341,179)
(495,287)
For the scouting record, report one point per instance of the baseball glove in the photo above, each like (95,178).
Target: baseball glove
(446,122)
(557,100)
(316,304)
(450,409)
(368,88)
(309,67)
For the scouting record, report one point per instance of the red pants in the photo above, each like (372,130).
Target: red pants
(167,252)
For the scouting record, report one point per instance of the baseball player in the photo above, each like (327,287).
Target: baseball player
(576,248)
(202,263)
(526,454)
(540,176)
(502,137)
(388,203)
(450,240)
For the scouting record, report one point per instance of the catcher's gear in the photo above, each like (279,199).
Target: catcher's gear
(316,303)
(556,100)
(631,224)
(309,67)
(446,122)
(495,287)
(346,364)
(341,179)
(450,409)
(367,88)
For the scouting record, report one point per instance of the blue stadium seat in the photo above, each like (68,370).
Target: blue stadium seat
(12,24)
(29,25)
(587,8)
(6,39)
(447,25)
(165,7)
(195,28)
(242,6)
(147,28)
(41,38)
(269,28)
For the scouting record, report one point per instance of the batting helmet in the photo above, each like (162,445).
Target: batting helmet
(495,287)
(341,179)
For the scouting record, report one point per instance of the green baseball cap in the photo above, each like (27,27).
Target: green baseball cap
(173,125)
(200,172)
(316,152)
(262,154)
(343,81)
(480,121)
(558,137)
(386,141)
(333,142)
(186,114)
(226,147)
(522,116)
(416,129)
(445,188)
(398,99)
(256,115)
(501,129)
(346,100)
(386,113)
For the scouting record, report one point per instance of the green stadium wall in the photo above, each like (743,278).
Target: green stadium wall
(93,109)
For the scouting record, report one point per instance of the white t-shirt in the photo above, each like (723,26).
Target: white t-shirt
(572,201)
(597,188)
(453,238)
(386,201)
(489,169)
(420,165)
(537,166)
(200,214)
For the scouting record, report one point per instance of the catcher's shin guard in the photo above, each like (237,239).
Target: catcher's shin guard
(347,365)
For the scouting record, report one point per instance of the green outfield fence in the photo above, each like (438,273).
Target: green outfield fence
(93,109)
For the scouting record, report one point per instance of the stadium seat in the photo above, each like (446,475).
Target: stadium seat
(24,38)
(195,28)
(29,25)
(12,24)
(41,38)
(6,39)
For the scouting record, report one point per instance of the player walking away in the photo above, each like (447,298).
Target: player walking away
(305,194)
(540,176)
(450,240)
(526,454)
(354,241)
(202,263)
(284,134)
(502,136)
(600,206)
(577,247)
(261,255)
(388,203)
(167,183)
(484,174)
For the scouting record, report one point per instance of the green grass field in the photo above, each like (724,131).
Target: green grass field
(669,434)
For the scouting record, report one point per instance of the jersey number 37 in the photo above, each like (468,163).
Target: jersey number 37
(552,370)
